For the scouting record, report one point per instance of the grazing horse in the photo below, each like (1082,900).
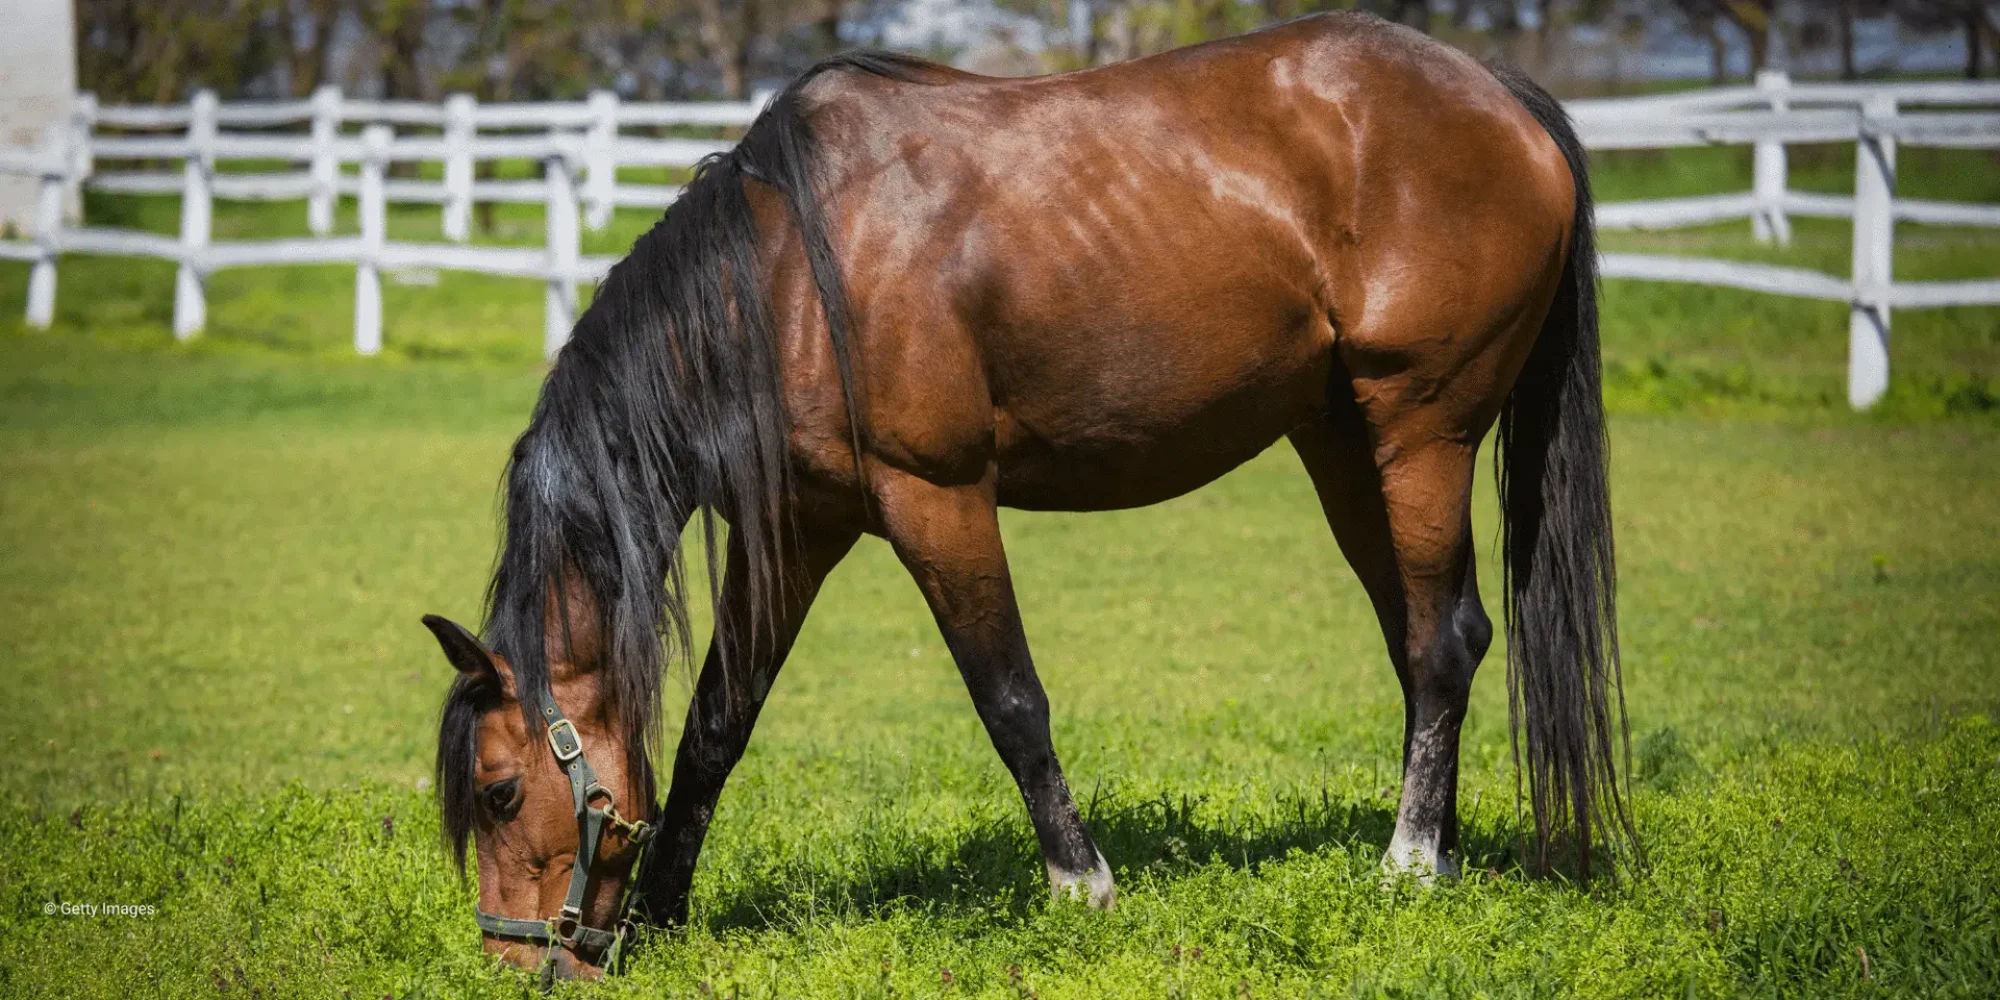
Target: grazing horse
(912,295)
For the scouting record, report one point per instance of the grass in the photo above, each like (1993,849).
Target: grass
(212,558)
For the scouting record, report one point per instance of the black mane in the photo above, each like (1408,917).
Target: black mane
(665,404)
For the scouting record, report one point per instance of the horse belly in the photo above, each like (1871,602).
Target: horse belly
(1141,435)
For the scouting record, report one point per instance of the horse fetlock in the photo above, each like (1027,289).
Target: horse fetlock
(1093,885)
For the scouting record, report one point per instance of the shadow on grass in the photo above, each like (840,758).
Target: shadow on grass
(995,867)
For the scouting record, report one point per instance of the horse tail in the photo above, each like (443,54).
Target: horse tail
(1566,703)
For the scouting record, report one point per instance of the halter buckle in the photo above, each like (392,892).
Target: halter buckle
(567,923)
(563,739)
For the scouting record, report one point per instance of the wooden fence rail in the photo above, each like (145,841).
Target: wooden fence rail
(582,145)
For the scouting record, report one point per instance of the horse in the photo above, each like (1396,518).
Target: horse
(911,295)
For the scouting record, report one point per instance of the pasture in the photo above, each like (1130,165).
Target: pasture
(213,557)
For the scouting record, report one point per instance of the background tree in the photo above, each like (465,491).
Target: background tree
(1976,21)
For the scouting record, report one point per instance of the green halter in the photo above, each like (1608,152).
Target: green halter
(566,928)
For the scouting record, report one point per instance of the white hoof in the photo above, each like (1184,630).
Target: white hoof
(1093,886)
(1414,860)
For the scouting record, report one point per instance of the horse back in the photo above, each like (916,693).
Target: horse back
(1115,285)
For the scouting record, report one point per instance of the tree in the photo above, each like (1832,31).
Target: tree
(1706,18)
(159,51)
(1832,24)
(397,29)
(1757,19)
(305,65)
(1978,21)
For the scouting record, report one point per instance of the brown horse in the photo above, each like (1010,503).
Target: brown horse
(912,295)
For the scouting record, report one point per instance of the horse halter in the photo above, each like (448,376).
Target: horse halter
(566,928)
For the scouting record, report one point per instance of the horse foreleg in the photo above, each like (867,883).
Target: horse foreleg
(735,678)
(948,537)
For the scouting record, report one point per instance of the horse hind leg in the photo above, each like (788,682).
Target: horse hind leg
(1405,526)
(948,537)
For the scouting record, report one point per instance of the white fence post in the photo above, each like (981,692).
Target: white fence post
(374,229)
(49,198)
(601,158)
(190,305)
(1874,255)
(559,310)
(325,167)
(82,162)
(459,130)
(1768,173)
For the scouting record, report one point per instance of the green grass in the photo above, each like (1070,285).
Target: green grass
(213,556)
(223,709)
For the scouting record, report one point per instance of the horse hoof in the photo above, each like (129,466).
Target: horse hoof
(1093,886)
(1412,861)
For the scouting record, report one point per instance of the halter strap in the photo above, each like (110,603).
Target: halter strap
(566,927)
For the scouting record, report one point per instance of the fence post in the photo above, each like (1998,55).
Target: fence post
(374,226)
(325,167)
(49,197)
(82,161)
(560,215)
(459,130)
(1874,253)
(1770,222)
(190,307)
(601,158)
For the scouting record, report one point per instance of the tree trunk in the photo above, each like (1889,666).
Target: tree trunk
(829,26)
(1755,18)
(306,67)
(403,49)
(745,42)
(1843,20)
(1760,50)
(728,50)
(1718,54)
(1973,29)
(401,78)
(1415,13)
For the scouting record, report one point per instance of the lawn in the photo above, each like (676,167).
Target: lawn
(213,557)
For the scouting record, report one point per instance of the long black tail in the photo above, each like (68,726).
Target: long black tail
(1565,690)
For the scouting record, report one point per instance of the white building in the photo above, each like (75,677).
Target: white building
(37,89)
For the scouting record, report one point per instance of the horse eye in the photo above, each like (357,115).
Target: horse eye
(500,798)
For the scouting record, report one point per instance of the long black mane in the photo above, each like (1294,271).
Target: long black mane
(666,404)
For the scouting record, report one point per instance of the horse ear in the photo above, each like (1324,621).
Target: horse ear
(467,653)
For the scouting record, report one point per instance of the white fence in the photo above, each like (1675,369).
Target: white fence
(582,145)
(1875,117)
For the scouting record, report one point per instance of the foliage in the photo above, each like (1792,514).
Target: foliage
(160,50)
